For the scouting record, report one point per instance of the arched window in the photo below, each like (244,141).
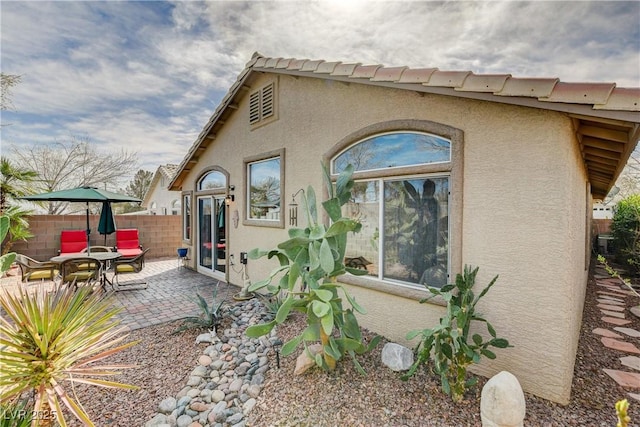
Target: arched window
(212,181)
(394,150)
(401,197)
(175,207)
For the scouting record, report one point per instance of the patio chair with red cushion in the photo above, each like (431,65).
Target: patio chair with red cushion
(72,241)
(127,242)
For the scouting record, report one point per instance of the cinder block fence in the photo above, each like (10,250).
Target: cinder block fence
(161,233)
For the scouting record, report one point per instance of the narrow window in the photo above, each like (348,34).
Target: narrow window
(186,217)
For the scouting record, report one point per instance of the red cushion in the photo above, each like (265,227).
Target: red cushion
(130,253)
(127,238)
(72,241)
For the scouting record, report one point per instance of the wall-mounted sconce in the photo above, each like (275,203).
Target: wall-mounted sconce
(293,208)
(230,197)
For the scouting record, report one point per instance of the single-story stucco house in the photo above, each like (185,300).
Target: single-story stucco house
(452,168)
(159,200)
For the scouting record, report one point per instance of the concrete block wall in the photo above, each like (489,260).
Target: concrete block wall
(160,233)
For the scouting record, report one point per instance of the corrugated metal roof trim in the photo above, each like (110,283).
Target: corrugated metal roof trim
(602,96)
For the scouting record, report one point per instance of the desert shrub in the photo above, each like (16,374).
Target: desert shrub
(449,348)
(625,230)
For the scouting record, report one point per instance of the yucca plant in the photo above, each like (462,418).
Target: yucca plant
(49,339)
(15,414)
(210,316)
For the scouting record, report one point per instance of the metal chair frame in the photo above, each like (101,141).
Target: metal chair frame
(78,270)
(135,265)
(29,268)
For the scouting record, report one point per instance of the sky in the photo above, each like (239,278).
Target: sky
(146,76)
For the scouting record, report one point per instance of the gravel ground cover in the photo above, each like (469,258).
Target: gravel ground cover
(345,398)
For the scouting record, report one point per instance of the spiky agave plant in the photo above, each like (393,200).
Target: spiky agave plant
(52,338)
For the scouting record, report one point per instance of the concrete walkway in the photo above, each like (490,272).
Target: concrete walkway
(170,293)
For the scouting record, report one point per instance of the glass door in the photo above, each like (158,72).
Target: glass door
(212,253)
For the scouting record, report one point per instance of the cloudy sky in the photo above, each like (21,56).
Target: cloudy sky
(145,76)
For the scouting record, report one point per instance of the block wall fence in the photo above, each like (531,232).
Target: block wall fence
(160,233)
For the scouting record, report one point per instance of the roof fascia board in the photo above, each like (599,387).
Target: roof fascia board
(585,110)
(238,86)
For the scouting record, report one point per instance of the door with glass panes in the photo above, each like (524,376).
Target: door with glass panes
(212,249)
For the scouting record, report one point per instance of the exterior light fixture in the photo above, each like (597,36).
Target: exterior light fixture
(230,197)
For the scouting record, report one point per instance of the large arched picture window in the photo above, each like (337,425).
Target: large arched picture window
(404,214)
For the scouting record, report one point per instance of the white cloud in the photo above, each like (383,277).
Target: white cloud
(147,75)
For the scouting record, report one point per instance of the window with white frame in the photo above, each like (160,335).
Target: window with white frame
(401,196)
(186,216)
(264,180)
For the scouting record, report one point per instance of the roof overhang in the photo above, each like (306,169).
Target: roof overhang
(606,118)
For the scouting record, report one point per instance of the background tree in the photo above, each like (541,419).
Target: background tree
(140,184)
(137,187)
(74,163)
(15,182)
(628,182)
(7,82)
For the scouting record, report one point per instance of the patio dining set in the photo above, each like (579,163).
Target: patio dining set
(78,263)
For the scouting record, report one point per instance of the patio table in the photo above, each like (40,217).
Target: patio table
(103,257)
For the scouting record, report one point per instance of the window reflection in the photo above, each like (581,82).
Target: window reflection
(394,150)
(264,190)
(212,180)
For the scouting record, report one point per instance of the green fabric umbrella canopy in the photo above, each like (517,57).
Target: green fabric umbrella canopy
(85,194)
(107,224)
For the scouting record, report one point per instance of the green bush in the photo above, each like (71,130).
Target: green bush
(625,230)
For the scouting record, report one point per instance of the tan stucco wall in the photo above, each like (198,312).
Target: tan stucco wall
(162,197)
(523,212)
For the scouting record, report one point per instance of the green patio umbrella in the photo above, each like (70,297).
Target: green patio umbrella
(83,194)
(107,224)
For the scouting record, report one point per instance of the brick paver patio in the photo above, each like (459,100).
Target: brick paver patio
(170,293)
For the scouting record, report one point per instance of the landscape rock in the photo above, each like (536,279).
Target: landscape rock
(167,405)
(222,388)
(502,402)
(304,362)
(397,357)
(204,338)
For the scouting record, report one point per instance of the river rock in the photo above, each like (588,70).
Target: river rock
(397,357)
(502,402)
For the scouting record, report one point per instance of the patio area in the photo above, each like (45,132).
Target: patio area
(170,294)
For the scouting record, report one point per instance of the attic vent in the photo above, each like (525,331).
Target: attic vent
(262,104)
(254,107)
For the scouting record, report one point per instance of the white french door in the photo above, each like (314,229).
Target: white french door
(212,244)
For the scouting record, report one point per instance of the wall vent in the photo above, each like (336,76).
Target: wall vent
(262,104)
